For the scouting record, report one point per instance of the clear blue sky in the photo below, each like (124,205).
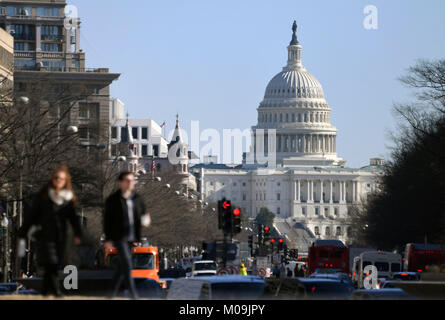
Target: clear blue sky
(212,60)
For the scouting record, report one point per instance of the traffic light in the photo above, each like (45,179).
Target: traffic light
(286,252)
(250,242)
(266,233)
(221,214)
(260,234)
(280,244)
(272,242)
(225,215)
(236,220)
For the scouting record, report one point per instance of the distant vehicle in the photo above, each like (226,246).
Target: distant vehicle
(187,263)
(15,288)
(355,252)
(418,256)
(204,268)
(382,294)
(334,276)
(230,287)
(145,261)
(387,263)
(406,276)
(331,254)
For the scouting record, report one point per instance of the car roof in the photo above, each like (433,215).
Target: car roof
(228,278)
(310,280)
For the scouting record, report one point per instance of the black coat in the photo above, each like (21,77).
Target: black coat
(51,221)
(116,226)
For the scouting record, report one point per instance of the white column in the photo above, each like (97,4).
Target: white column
(308,198)
(330,191)
(340,188)
(312,191)
(68,40)
(353,192)
(38,37)
(321,191)
(298,191)
(78,37)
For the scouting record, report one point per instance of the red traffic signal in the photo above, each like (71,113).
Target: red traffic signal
(266,228)
(226,205)
(272,240)
(281,240)
(236,212)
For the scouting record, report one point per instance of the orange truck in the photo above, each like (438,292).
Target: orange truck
(145,261)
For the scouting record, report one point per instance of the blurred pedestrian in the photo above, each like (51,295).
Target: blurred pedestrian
(297,270)
(276,271)
(52,208)
(125,213)
(282,271)
(289,273)
(243,270)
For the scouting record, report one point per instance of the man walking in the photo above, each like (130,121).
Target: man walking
(125,213)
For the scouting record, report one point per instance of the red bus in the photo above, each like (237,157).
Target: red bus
(419,255)
(328,254)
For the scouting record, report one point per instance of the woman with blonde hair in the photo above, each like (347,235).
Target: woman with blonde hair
(52,208)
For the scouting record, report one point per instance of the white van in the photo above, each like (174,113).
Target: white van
(386,263)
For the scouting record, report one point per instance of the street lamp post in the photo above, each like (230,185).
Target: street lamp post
(6,266)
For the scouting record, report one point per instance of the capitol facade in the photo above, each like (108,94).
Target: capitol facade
(309,188)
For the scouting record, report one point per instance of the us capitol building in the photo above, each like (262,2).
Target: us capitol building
(310,190)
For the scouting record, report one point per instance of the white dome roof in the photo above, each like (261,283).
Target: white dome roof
(297,83)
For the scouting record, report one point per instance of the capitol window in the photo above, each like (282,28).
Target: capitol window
(317,231)
(328,231)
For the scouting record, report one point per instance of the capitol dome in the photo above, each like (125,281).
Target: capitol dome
(296,83)
(294,106)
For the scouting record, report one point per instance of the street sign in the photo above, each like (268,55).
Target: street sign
(276,258)
(262,263)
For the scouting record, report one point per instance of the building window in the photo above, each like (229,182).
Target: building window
(338,232)
(88,110)
(244,184)
(303,211)
(278,196)
(113,133)
(278,210)
(48,12)
(134,132)
(113,150)
(83,133)
(328,231)
(336,211)
(317,211)
(244,197)
(52,33)
(144,133)
(144,150)
(18,11)
(50,47)
(317,231)
(155,151)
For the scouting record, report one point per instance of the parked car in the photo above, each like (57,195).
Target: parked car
(307,288)
(335,276)
(406,276)
(232,287)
